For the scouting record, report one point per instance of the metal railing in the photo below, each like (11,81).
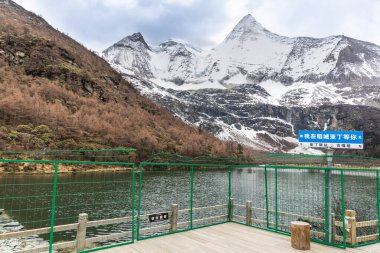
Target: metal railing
(86,206)
(40,211)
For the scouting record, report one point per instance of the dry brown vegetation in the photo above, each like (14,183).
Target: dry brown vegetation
(57,94)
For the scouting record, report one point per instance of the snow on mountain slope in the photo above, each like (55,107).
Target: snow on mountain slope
(256,87)
(252,54)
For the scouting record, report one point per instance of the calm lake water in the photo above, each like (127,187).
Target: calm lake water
(27,199)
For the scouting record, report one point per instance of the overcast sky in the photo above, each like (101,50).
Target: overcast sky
(100,23)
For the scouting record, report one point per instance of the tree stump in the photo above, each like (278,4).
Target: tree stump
(300,235)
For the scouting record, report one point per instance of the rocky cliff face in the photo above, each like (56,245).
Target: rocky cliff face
(258,87)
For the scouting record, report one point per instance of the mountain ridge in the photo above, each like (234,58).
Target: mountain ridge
(279,64)
(295,73)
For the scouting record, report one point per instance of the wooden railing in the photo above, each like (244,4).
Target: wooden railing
(350,226)
(81,226)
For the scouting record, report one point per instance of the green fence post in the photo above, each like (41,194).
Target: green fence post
(191,195)
(276,199)
(377,202)
(139,202)
(53,208)
(266,195)
(343,208)
(229,192)
(327,205)
(133,202)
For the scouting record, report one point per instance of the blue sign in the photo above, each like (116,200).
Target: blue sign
(331,139)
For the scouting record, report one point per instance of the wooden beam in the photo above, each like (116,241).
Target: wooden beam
(309,218)
(109,221)
(370,223)
(56,246)
(38,231)
(367,238)
(103,238)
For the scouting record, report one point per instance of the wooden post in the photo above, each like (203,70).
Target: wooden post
(248,212)
(333,227)
(230,209)
(351,219)
(173,218)
(81,232)
(300,235)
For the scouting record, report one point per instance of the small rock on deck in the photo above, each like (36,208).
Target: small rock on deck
(229,237)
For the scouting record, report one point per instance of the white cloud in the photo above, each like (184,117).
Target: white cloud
(357,19)
(206,23)
(180,2)
(120,3)
(234,11)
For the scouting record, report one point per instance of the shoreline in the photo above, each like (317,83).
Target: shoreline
(48,169)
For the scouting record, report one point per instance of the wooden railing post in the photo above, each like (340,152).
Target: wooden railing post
(351,218)
(333,227)
(173,217)
(81,232)
(248,212)
(230,209)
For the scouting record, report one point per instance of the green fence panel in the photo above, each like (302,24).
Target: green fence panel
(249,186)
(103,191)
(25,204)
(301,198)
(201,193)
(210,196)
(361,195)
(42,210)
(162,186)
(274,196)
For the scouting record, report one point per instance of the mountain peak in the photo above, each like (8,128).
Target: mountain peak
(133,41)
(248,27)
(9,3)
(248,19)
(136,37)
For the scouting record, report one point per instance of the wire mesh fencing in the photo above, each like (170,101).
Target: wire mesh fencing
(337,161)
(25,204)
(341,205)
(189,195)
(81,211)
(87,205)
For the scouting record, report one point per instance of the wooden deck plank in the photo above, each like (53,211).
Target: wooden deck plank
(227,238)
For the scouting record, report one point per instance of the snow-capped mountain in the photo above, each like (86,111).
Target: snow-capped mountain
(231,90)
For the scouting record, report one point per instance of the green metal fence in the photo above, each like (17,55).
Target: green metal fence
(84,210)
(337,161)
(266,197)
(91,205)
(181,191)
(274,196)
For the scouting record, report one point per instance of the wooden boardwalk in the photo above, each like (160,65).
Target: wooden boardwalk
(227,238)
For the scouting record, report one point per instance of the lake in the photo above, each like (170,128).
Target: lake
(27,198)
